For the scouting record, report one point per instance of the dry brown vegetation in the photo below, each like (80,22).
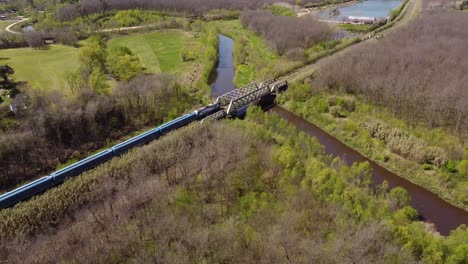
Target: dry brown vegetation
(256,191)
(213,194)
(86,7)
(420,73)
(286,34)
(54,128)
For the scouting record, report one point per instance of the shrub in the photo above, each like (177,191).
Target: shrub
(348,103)
(123,64)
(436,156)
(462,168)
(34,39)
(295,54)
(335,111)
(405,145)
(66,36)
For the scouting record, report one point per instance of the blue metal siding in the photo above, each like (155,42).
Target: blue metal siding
(10,198)
(135,141)
(82,165)
(177,123)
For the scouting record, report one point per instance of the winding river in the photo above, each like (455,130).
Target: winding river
(431,208)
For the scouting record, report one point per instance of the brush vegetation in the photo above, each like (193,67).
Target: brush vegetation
(273,197)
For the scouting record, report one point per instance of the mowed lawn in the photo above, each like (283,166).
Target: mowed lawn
(42,69)
(159,51)
(5,23)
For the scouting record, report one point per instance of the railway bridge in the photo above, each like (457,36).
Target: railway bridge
(231,104)
(236,102)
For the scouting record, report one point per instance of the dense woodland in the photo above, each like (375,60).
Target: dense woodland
(286,34)
(274,197)
(419,73)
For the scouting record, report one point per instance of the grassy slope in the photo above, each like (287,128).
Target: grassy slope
(159,51)
(44,69)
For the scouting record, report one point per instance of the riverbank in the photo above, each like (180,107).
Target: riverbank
(431,208)
(350,127)
(315,10)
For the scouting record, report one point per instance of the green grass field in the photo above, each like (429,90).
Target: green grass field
(355,28)
(42,69)
(159,51)
(4,24)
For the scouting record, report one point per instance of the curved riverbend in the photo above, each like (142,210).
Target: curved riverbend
(444,216)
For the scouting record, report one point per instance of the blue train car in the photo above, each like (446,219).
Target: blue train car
(24,192)
(141,139)
(177,123)
(82,165)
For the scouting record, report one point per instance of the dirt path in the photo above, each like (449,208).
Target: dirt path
(410,12)
(8,28)
(124,28)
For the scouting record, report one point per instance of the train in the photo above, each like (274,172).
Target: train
(44,183)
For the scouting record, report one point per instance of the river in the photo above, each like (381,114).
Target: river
(368,8)
(431,208)
(224,75)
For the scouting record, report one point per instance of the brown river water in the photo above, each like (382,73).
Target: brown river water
(431,208)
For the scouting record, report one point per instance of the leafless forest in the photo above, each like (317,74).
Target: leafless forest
(198,202)
(285,34)
(420,73)
(59,127)
(86,7)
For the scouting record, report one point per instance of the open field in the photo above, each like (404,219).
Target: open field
(43,69)
(158,51)
(5,23)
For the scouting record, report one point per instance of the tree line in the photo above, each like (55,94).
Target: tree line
(286,34)
(419,72)
(84,8)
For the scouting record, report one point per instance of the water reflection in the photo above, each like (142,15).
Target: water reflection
(223,78)
(369,8)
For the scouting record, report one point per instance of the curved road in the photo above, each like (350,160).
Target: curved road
(8,28)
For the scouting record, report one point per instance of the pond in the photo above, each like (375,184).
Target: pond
(368,8)
(27,28)
(224,75)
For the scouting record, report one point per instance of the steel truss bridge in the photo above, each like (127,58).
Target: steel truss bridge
(238,100)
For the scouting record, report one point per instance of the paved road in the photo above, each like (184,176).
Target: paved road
(410,12)
(8,29)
